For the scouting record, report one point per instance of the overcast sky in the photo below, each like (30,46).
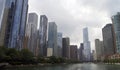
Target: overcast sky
(71,16)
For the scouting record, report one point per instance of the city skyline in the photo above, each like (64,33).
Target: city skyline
(47,33)
(97,15)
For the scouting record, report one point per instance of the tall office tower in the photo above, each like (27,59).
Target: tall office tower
(59,43)
(52,49)
(23,22)
(66,48)
(16,37)
(99,49)
(80,52)
(31,32)
(2,5)
(38,43)
(43,35)
(108,40)
(86,43)
(73,52)
(116,24)
(7,22)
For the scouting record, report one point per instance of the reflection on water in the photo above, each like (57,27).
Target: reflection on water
(71,67)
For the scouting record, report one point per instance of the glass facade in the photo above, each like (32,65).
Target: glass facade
(2,4)
(59,43)
(43,35)
(86,42)
(19,23)
(116,24)
(52,38)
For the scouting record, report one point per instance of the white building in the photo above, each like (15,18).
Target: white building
(86,43)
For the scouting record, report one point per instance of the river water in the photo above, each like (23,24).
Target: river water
(71,67)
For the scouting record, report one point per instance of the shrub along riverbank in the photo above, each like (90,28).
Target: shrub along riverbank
(25,57)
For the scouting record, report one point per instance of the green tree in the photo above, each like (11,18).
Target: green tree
(12,54)
(26,55)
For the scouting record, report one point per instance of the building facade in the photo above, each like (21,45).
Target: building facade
(14,23)
(116,24)
(52,49)
(19,24)
(87,48)
(108,40)
(81,55)
(2,6)
(59,43)
(99,49)
(31,32)
(43,35)
(66,48)
(73,52)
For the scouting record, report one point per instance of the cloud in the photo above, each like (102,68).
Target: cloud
(72,16)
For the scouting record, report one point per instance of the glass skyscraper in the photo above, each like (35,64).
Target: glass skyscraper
(7,22)
(18,24)
(52,39)
(86,43)
(43,35)
(2,5)
(116,24)
(59,43)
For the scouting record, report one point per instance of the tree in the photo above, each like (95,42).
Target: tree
(13,54)
(26,55)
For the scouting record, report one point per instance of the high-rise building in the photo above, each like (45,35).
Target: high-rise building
(31,32)
(18,26)
(2,5)
(99,49)
(52,49)
(59,43)
(14,23)
(43,35)
(86,43)
(66,48)
(81,55)
(4,22)
(108,40)
(73,52)
(116,24)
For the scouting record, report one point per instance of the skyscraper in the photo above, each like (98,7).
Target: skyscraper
(86,43)
(99,49)
(14,23)
(59,43)
(43,35)
(31,32)
(66,48)
(81,55)
(19,24)
(52,49)
(3,22)
(73,52)
(108,40)
(2,5)
(116,24)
